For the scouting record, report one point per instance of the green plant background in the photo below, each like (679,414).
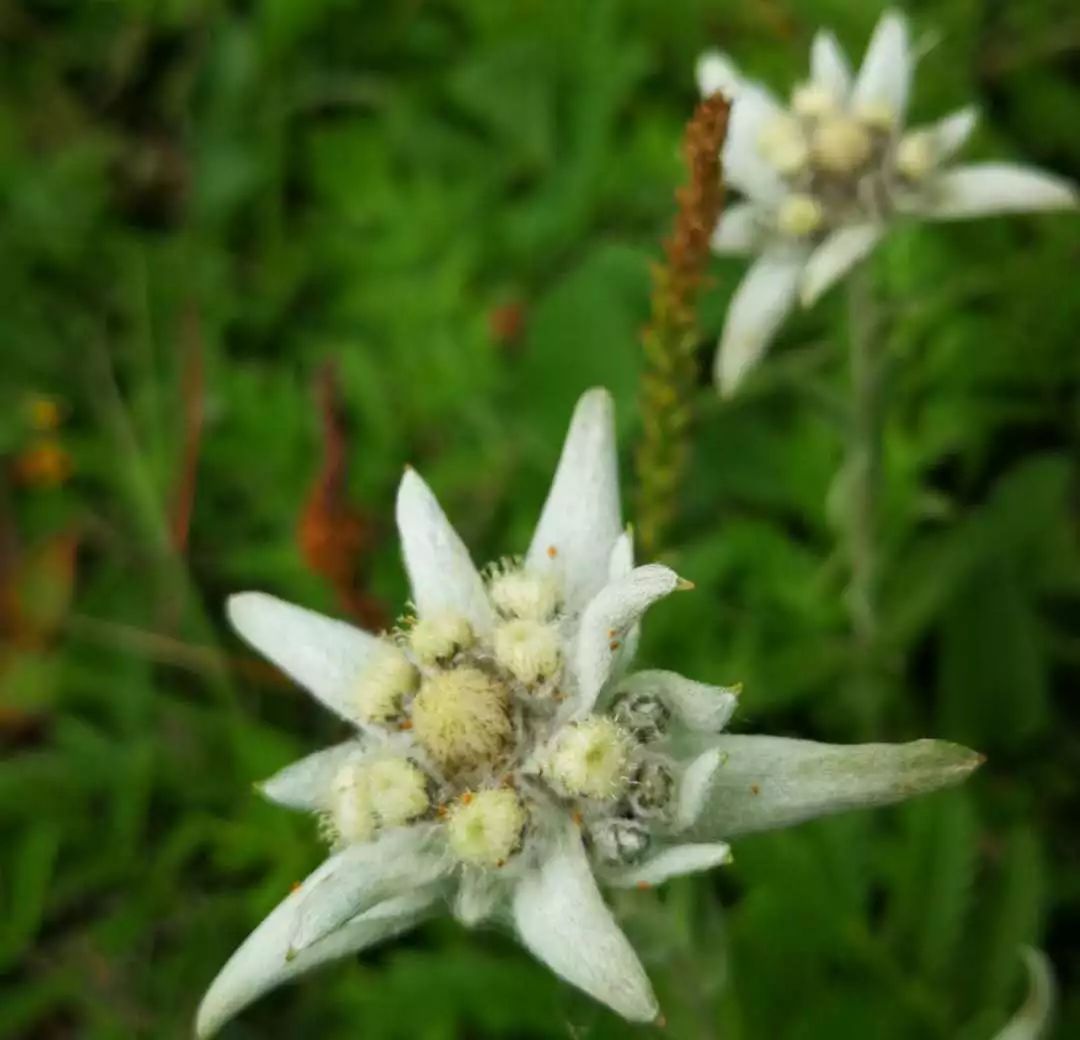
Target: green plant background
(266,186)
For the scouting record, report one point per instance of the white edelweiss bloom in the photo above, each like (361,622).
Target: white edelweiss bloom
(841,143)
(505,762)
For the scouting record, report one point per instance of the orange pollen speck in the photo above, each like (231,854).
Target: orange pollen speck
(441,812)
(295,886)
(577,817)
(611,633)
(466,798)
(615,644)
(754,789)
(407,724)
(552,552)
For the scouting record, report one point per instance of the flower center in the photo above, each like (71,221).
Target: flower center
(461,717)
(590,758)
(487,827)
(527,649)
(385,683)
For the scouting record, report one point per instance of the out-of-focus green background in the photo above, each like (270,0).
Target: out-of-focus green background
(457,205)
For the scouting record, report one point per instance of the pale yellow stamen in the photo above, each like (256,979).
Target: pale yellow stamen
(783,145)
(384,684)
(916,155)
(437,638)
(397,791)
(486,827)
(841,144)
(800,215)
(525,594)
(528,650)
(460,717)
(591,758)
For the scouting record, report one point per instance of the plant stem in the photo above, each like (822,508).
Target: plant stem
(863,472)
(669,375)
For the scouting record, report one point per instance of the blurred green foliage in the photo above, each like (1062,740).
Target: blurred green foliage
(458,203)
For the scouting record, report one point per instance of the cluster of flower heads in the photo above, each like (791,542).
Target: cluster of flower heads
(826,174)
(505,759)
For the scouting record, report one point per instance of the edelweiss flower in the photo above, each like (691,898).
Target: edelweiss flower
(825,175)
(505,762)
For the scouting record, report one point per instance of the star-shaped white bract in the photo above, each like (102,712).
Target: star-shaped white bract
(824,176)
(504,760)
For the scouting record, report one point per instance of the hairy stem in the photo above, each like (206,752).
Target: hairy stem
(863,473)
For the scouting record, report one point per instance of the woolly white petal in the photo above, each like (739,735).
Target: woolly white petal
(441,572)
(885,76)
(607,620)
(762,301)
(366,874)
(697,706)
(323,655)
(305,784)
(561,918)
(738,231)
(767,782)
(673,862)
(716,74)
(951,133)
(695,786)
(1033,1019)
(477,896)
(620,565)
(621,561)
(582,517)
(260,963)
(829,66)
(837,255)
(983,189)
(744,167)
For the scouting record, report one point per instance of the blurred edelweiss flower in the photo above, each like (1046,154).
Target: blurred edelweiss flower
(506,762)
(824,176)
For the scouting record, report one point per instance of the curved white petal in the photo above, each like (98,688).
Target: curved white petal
(766,782)
(1032,1021)
(366,874)
(621,560)
(762,301)
(738,231)
(951,133)
(695,786)
(673,862)
(561,918)
(306,784)
(477,897)
(582,516)
(744,168)
(441,572)
(323,655)
(829,66)
(620,565)
(606,622)
(697,706)
(260,963)
(983,189)
(837,255)
(716,74)
(885,76)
